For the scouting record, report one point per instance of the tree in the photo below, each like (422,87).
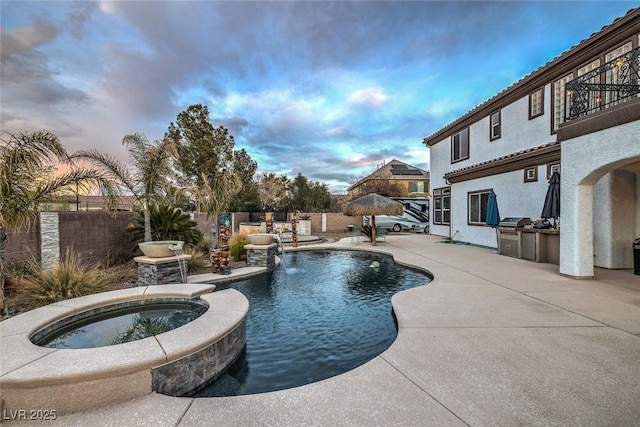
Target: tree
(23,187)
(320,197)
(205,159)
(308,196)
(299,193)
(201,147)
(149,181)
(247,196)
(273,191)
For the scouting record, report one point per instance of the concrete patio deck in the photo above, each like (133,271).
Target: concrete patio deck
(492,341)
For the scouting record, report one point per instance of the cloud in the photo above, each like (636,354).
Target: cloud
(371,97)
(27,37)
(329,89)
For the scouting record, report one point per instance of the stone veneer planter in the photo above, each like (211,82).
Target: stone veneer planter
(160,271)
(262,255)
(70,380)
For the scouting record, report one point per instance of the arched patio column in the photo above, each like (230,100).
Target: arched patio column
(576,235)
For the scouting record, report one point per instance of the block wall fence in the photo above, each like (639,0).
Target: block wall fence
(101,237)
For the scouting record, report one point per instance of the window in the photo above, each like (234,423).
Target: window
(442,206)
(617,75)
(595,98)
(551,168)
(559,100)
(494,126)
(536,103)
(460,146)
(477,207)
(416,187)
(531,174)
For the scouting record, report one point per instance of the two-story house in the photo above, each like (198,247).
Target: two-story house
(578,114)
(399,178)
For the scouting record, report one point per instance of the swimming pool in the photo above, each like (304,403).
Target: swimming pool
(319,314)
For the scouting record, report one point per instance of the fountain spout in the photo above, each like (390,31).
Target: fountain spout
(182,264)
(177,246)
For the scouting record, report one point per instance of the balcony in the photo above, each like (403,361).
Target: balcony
(612,83)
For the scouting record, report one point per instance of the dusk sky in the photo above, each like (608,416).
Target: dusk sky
(328,89)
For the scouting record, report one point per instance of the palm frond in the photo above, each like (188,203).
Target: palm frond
(137,145)
(110,165)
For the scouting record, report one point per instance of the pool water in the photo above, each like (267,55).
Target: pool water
(319,314)
(120,325)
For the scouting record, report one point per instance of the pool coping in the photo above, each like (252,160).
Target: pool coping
(34,377)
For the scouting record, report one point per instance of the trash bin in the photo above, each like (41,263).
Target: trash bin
(636,257)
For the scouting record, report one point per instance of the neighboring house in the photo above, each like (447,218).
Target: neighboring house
(578,114)
(410,181)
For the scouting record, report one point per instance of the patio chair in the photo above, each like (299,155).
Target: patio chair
(381,234)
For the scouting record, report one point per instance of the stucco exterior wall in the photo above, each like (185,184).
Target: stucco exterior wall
(518,133)
(614,219)
(585,160)
(515,199)
(637,233)
(440,158)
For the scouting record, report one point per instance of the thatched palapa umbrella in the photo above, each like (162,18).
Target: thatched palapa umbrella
(372,204)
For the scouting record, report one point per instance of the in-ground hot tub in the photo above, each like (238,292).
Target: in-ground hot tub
(120,323)
(33,377)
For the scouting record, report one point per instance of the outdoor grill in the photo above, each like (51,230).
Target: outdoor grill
(509,235)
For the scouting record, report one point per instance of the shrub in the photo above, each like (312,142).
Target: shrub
(237,243)
(203,246)
(71,278)
(198,261)
(167,223)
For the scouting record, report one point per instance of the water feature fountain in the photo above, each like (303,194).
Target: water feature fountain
(163,262)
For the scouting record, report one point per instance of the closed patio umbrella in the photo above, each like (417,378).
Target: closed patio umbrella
(493,214)
(551,208)
(372,204)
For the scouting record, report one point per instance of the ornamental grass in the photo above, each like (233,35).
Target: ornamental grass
(70,278)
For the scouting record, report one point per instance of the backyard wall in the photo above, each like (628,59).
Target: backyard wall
(96,236)
(331,221)
(23,243)
(101,237)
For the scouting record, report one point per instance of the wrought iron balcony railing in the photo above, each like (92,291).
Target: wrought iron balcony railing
(609,84)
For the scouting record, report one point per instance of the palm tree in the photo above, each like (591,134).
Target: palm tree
(23,157)
(215,193)
(151,177)
(273,191)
